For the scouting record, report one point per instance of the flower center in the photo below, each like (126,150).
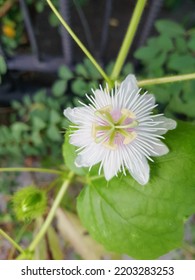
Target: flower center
(114,127)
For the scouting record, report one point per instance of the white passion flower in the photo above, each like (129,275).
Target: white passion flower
(119,131)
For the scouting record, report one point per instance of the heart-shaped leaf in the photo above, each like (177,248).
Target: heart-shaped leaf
(144,222)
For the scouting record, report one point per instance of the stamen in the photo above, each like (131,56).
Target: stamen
(130,125)
(107,132)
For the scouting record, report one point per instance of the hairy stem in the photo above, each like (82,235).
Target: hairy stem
(6,236)
(133,25)
(30,169)
(165,80)
(52,212)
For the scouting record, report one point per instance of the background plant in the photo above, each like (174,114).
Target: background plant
(37,125)
(172,52)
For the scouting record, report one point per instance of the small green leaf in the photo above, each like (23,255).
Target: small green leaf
(3,66)
(53,20)
(110,67)
(39,6)
(65,73)
(157,62)
(79,87)
(59,88)
(80,69)
(164,43)
(144,222)
(178,106)
(16,105)
(17,129)
(181,44)
(55,117)
(40,96)
(93,72)
(36,138)
(169,28)
(146,53)
(69,155)
(191,43)
(38,123)
(181,63)
(53,133)
(127,69)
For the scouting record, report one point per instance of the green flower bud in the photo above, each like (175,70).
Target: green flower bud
(29,203)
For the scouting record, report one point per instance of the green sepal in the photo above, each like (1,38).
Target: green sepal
(69,154)
(29,203)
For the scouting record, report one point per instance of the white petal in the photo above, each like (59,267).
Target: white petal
(167,124)
(129,84)
(81,137)
(140,171)
(111,164)
(127,93)
(159,150)
(138,167)
(149,98)
(143,105)
(79,115)
(102,98)
(91,155)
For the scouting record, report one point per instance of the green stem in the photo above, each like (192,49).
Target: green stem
(51,214)
(133,25)
(80,44)
(30,169)
(11,241)
(164,80)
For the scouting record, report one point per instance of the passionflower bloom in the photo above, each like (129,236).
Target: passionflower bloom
(119,131)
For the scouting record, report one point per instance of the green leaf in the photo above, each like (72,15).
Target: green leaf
(53,133)
(53,20)
(181,44)
(127,69)
(188,91)
(65,73)
(18,128)
(39,6)
(164,43)
(144,222)
(191,43)
(169,28)
(55,117)
(59,88)
(36,138)
(157,63)
(181,63)
(80,69)
(38,123)
(146,53)
(93,72)
(40,96)
(69,155)
(178,106)
(3,66)
(109,67)
(79,87)
(16,105)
